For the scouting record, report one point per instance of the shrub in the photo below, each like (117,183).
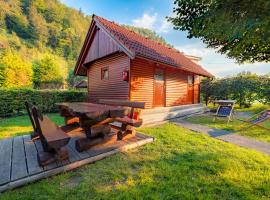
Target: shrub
(245,88)
(12,100)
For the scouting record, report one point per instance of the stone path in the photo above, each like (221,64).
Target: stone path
(227,136)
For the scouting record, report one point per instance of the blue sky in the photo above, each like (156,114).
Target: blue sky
(151,14)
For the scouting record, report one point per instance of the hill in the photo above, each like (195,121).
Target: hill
(38,33)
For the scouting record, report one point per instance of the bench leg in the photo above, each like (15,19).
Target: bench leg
(126,131)
(46,158)
(34,136)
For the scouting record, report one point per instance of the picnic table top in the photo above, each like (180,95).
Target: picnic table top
(93,110)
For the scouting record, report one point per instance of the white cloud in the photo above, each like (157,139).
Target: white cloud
(195,50)
(146,21)
(165,26)
(219,64)
(153,22)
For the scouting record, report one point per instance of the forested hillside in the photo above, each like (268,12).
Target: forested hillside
(40,41)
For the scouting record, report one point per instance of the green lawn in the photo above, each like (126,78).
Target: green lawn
(180,164)
(236,125)
(21,125)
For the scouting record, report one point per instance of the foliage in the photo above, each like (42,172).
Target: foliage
(179,164)
(263,90)
(149,34)
(46,71)
(245,88)
(239,29)
(14,71)
(12,100)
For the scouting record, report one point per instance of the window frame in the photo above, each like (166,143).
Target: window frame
(102,73)
(190,77)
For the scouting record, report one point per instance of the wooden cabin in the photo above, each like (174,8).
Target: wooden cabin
(121,64)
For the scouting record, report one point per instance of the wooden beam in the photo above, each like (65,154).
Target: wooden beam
(119,102)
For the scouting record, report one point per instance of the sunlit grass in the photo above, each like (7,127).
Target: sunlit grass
(180,164)
(14,126)
(236,125)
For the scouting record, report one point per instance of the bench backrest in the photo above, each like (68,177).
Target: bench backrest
(125,103)
(37,115)
(29,107)
(51,135)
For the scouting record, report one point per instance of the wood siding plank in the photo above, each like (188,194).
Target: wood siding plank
(142,82)
(5,160)
(31,156)
(114,87)
(19,167)
(101,46)
(176,87)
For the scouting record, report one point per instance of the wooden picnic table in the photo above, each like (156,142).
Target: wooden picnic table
(93,118)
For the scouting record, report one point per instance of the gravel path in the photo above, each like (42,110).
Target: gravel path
(227,136)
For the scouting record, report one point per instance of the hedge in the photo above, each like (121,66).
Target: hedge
(12,100)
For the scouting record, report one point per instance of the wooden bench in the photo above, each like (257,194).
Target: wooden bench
(128,124)
(52,137)
(66,128)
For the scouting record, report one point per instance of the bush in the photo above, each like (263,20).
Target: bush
(245,88)
(12,100)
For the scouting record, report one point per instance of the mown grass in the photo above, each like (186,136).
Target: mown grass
(236,125)
(15,126)
(180,164)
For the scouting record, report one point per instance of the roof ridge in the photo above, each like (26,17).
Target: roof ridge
(171,48)
(144,46)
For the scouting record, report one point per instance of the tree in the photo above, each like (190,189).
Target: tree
(14,71)
(239,29)
(47,73)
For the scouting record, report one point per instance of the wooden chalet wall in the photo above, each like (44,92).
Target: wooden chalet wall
(114,87)
(176,84)
(176,87)
(142,81)
(196,89)
(102,45)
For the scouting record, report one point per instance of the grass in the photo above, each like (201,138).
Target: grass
(15,126)
(236,125)
(180,164)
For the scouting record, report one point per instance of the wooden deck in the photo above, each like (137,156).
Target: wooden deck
(19,165)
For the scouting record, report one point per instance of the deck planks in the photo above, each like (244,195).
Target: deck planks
(5,160)
(19,167)
(19,164)
(31,156)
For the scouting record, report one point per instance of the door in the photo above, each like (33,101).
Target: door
(190,92)
(159,94)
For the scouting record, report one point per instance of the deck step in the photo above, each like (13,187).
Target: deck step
(167,113)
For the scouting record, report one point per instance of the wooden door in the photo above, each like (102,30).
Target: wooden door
(159,94)
(190,92)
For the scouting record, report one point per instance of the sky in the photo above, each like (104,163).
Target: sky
(151,14)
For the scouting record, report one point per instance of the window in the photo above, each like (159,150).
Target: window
(190,79)
(105,73)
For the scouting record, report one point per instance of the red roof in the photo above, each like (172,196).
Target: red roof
(144,47)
